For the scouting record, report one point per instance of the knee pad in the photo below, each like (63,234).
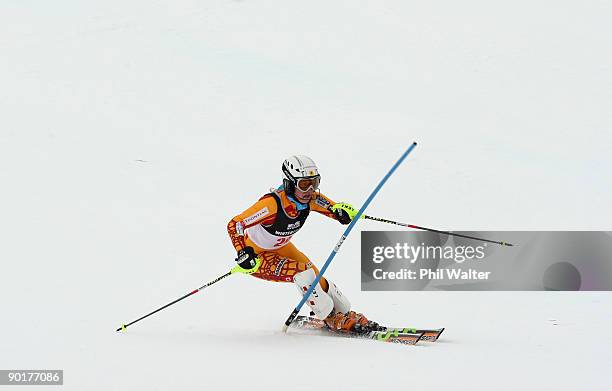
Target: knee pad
(341,303)
(319,301)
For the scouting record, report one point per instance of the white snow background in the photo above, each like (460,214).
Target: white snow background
(132,131)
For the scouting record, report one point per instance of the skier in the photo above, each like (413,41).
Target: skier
(262,236)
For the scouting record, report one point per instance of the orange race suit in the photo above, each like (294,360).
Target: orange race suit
(268,227)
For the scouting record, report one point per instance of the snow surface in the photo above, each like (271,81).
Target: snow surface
(132,131)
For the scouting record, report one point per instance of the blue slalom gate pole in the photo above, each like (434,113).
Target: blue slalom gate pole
(343,237)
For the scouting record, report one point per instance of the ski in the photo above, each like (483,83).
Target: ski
(430,335)
(404,336)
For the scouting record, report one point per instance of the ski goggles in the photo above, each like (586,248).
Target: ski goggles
(304,184)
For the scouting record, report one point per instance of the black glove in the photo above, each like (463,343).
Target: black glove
(342,216)
(247,259)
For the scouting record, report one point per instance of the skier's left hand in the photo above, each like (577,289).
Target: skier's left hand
(344,212)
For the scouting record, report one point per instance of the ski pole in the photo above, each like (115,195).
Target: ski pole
(236,269)
(433,230)
(295,312)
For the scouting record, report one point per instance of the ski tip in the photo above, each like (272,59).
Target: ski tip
(418,339)
(285,328)
(122,328)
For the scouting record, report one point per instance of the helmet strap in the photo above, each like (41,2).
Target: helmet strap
(289,187)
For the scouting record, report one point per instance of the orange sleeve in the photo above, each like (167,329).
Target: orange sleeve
(262,210)
(322,204)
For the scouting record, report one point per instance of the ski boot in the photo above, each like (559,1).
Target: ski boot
(369,326)
(351,321)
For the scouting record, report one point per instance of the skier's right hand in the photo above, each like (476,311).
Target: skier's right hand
(248,262)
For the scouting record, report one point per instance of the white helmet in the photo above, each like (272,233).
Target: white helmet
(300,171)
